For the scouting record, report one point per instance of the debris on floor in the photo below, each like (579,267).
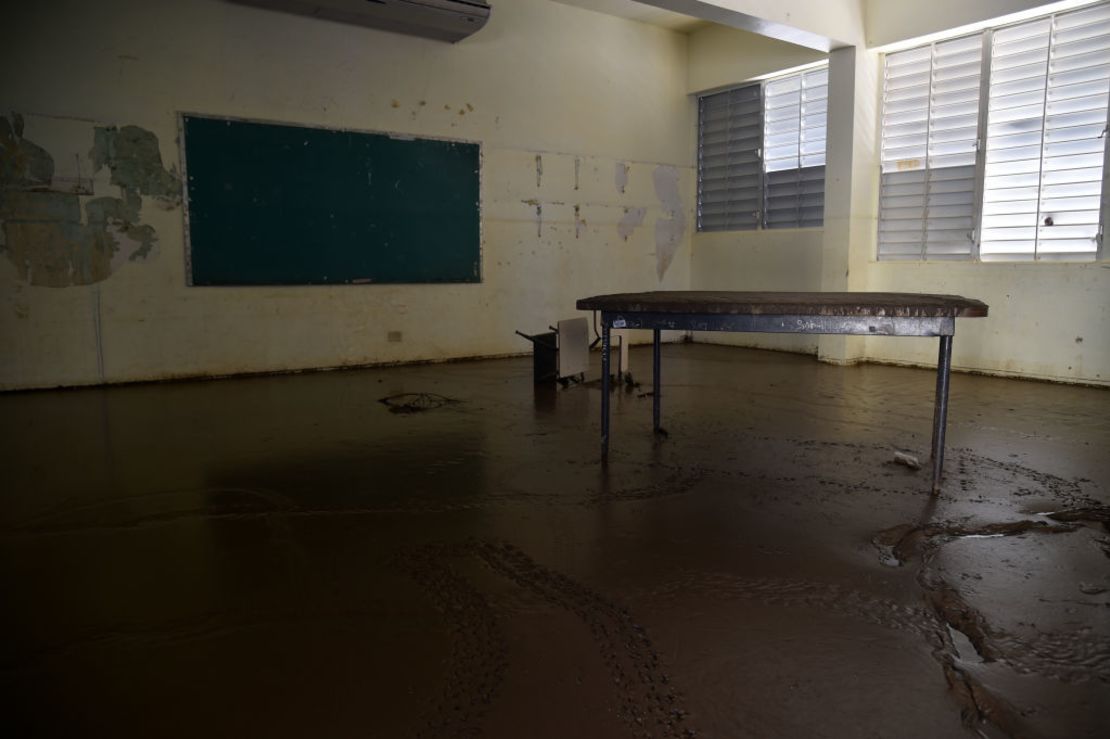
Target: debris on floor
(907,460)
(415,402)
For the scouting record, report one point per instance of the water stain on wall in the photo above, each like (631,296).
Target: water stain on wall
(668,231)
(55,238)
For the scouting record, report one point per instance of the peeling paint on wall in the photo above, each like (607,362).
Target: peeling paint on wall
(632,218)
(58,239)
(23,164)
(620,176)
(668,231)
(132,155)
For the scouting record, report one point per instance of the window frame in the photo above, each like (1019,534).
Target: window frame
(761,223)
(1101,252)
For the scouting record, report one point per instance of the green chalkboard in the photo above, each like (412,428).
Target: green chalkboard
(276,204)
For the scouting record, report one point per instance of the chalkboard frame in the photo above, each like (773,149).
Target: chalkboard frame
(182,115)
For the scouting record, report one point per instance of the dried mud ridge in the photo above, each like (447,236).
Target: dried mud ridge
(870,468)
(976,704)
(1075,657)
(1070,658)
(902,543)
(648,703)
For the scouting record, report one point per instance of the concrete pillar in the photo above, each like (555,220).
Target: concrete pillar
(851,185)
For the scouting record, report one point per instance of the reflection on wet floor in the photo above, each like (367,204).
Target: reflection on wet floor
(292,556)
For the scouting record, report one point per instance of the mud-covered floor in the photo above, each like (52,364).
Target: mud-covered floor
(290,557)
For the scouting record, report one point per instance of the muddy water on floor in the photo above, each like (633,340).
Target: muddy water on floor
(289,556)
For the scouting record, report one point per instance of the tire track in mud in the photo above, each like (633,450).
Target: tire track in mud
(797,593)
(974,468)
(649,703)
(647,700)
(478,656)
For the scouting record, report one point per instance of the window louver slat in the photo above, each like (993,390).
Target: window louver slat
(761,154)
(1044,172)
(795,128)
(730,136)
(927,181)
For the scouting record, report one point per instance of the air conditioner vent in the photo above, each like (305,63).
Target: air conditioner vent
(442,20)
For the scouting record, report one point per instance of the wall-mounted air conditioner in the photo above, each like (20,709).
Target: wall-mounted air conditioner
(444,20)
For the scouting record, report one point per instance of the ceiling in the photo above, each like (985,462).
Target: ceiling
(635,11)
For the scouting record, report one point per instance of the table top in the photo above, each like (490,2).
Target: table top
(899,305)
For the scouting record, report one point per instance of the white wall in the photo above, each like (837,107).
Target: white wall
(581,91)
(721,57)
(1049,321)
(889,21)
(776,259)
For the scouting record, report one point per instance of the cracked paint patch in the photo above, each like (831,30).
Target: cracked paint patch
(23,163)
(628,223)
(58,239)
(132,155)
(620,176)
(668,231)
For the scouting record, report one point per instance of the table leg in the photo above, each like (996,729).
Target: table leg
(940,408)
(656,381)
(604,390)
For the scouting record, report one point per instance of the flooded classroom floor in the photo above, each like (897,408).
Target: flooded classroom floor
(289,556)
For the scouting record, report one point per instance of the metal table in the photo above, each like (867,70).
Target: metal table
(857,313)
